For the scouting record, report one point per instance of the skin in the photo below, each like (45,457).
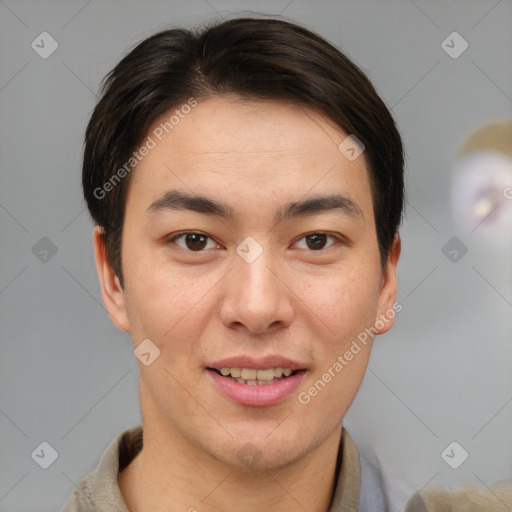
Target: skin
(307,304)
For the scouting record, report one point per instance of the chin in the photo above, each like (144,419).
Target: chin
(257,453)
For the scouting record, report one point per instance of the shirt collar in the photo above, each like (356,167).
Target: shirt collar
(101,487)
(348,481)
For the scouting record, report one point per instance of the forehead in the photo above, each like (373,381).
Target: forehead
(238,146)
(262,126)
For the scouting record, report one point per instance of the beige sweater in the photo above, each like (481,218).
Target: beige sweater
(359,486)
(468,498)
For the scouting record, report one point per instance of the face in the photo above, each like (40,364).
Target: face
(249,274)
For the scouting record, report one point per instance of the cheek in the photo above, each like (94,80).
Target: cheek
(167,307)
(328,394)
(349,311)
(345,303)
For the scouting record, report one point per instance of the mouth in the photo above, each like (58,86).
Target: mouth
(254,377)
(251,387)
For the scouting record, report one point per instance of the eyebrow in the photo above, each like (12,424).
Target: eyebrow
(177,200)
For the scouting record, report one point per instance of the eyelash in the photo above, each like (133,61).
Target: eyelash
(175,237)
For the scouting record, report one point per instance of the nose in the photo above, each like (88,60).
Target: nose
(257,296)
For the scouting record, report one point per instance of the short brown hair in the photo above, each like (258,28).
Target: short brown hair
(251,57)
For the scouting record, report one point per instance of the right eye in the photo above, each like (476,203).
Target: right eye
(192,241)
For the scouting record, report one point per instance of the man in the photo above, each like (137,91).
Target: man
(246,182)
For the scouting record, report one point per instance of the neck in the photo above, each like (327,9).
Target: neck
(171,474)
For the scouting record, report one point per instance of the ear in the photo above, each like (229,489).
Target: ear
(111,290)
(387,298)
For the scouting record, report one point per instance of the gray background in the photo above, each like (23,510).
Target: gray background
(68,377)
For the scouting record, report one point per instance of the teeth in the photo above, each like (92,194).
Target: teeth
(256,382)
(265,374)
(250,375)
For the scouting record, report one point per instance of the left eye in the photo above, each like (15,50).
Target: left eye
(196,242)
(316,241)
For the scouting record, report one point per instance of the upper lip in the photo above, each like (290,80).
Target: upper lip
(271,361)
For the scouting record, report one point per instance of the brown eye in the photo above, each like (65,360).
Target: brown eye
(194,242)
(317,241)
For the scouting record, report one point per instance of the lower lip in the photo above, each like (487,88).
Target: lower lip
(263,395)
